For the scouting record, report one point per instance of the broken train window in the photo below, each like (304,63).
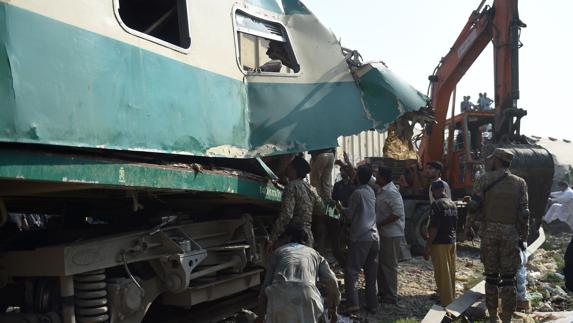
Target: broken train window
(163,20)
(264,46)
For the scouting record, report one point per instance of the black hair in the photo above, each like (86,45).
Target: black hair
(345,170)
(562,183)
(436,165)
(295,233)
(364,174)
(385,173)
(301,166)
(438,185)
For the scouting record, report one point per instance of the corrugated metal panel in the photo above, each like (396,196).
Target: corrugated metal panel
(358,147)
(362,145)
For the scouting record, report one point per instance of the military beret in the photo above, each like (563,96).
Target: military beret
(301,166)
(502,154)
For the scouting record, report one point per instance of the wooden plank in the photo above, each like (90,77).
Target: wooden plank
(435,314)
(462,303)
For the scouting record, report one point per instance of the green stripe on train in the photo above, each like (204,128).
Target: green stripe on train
(40,166)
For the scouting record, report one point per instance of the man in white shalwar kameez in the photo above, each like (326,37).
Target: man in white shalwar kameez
(289,293)
(562,207)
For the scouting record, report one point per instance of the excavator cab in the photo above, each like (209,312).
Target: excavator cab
(466,137)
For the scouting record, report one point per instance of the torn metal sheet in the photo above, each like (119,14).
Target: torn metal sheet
(386,96)
(96,84)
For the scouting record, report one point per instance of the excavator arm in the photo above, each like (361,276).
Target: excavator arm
(500,24)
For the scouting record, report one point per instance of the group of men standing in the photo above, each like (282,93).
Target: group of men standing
(374,207)
(376,212)
(499,208)
(483,103)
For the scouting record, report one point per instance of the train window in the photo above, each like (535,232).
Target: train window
(263,46)
(162,21)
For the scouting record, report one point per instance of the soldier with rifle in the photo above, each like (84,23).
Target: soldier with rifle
(500,205)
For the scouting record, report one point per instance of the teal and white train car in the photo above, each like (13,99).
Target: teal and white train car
(127,128)
(179,77)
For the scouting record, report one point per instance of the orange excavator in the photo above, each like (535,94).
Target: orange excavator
(462,141)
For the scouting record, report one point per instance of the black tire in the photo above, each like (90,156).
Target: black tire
(417,228)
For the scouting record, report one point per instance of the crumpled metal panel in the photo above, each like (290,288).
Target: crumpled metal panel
(386,96)
(316,114)
(67,86)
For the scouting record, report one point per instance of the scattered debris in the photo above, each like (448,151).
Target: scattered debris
(549,301)
(560,317)
(417,286)
(544,279)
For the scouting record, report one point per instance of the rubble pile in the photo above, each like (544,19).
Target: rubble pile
(545,281)
(417,288)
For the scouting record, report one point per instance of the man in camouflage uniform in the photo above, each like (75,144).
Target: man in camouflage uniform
(299,201)
(503,214)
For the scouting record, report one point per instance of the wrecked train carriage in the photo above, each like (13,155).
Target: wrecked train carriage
(128,134)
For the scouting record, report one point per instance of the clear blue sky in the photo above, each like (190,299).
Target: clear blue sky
(410,36)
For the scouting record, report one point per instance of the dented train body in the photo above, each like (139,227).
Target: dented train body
(128,136)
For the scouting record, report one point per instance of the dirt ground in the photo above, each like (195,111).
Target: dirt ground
(417,289)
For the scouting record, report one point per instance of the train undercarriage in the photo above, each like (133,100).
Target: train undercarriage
(78,247)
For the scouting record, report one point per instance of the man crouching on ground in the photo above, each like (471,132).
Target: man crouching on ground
(289,293)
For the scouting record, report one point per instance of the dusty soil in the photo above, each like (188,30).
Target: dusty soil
(417,289)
